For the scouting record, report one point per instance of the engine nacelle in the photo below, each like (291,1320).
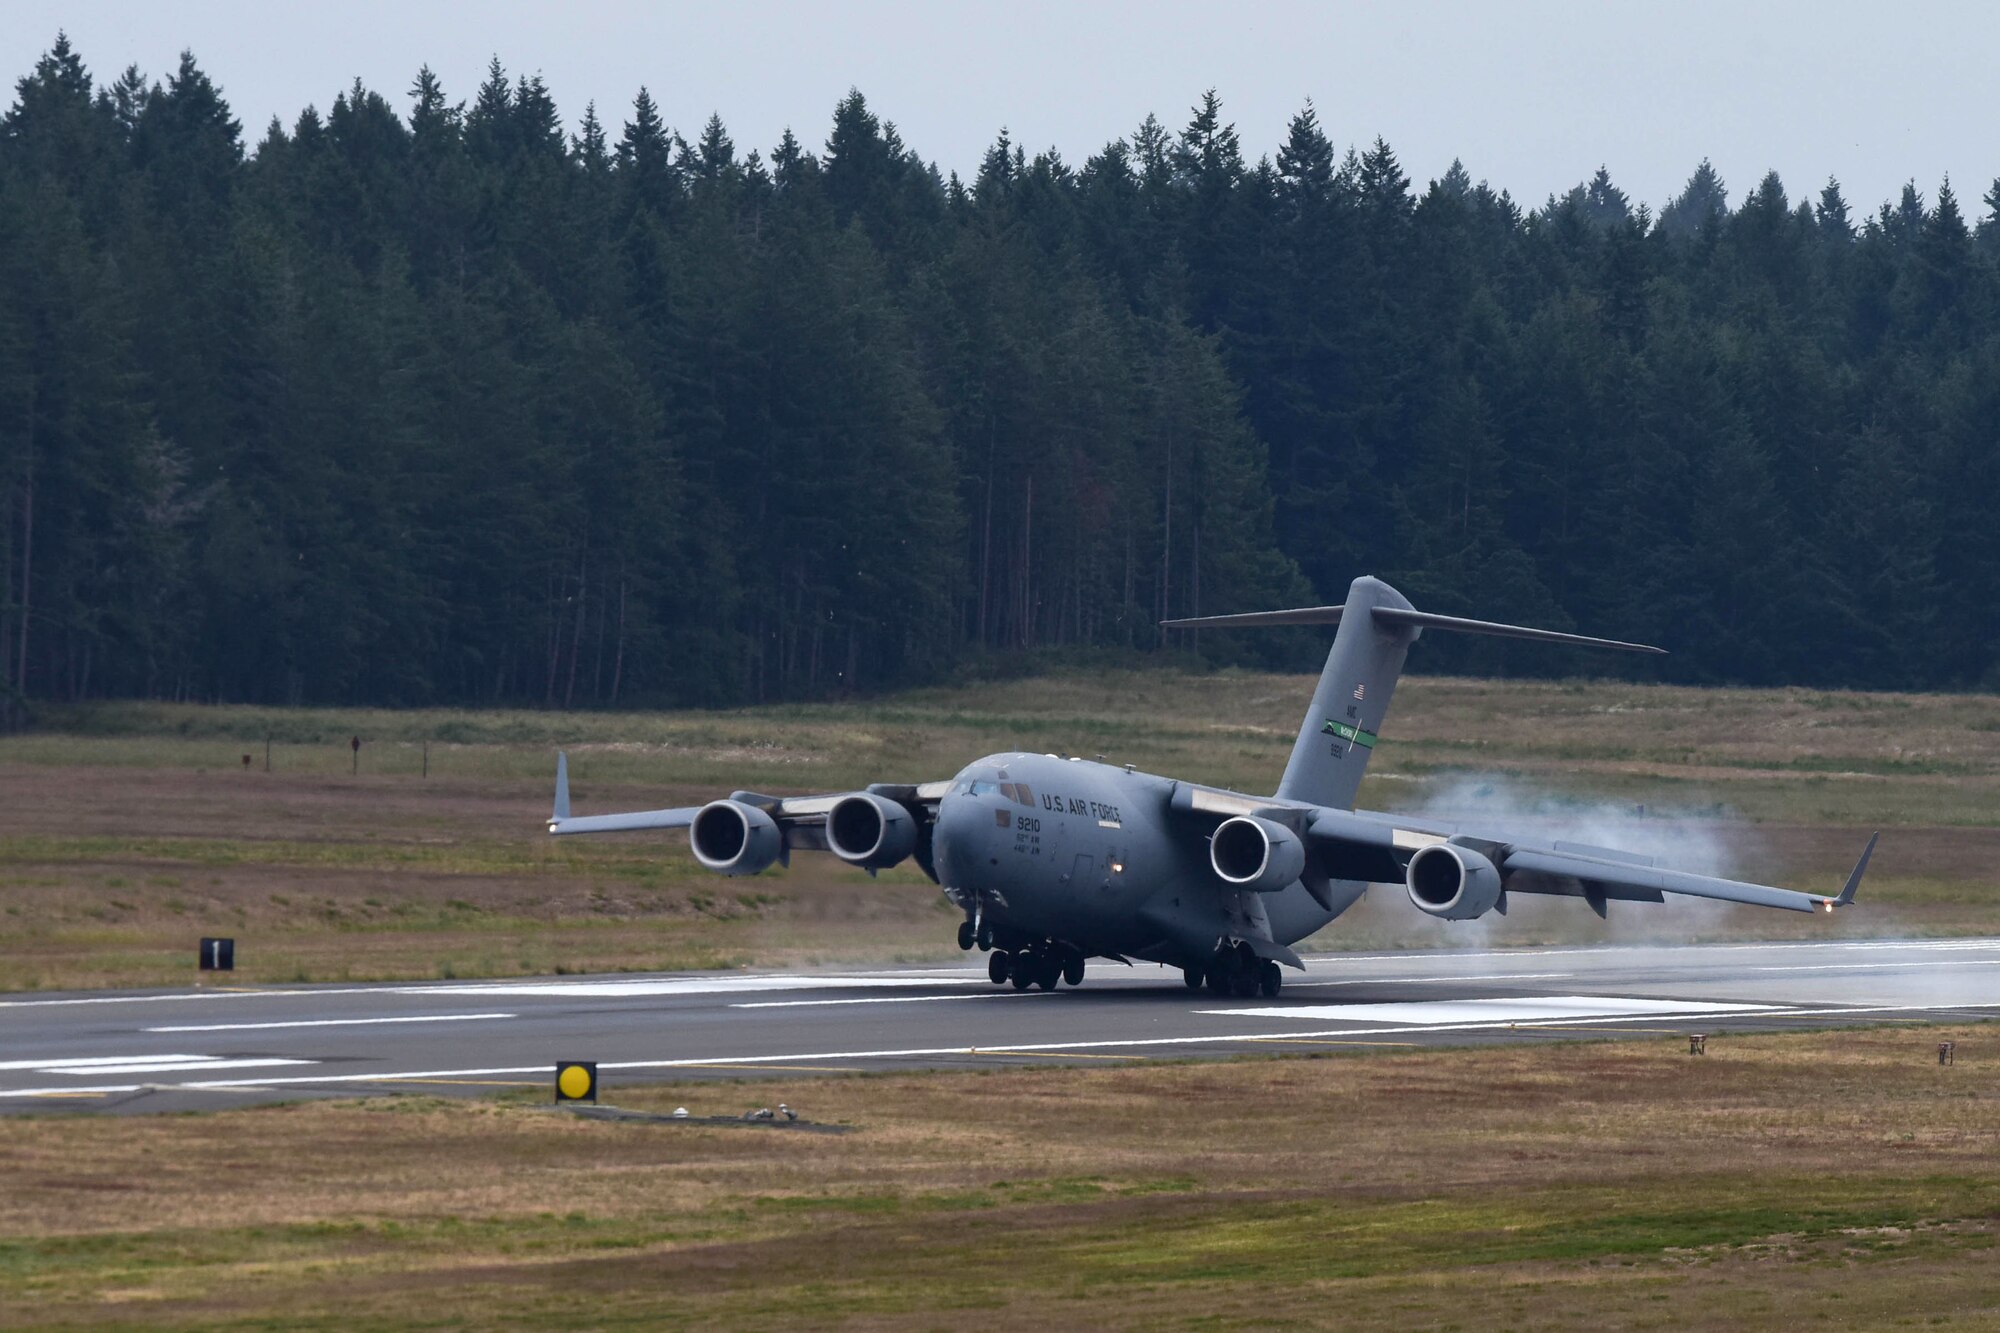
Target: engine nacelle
(1256,854)
(870,831)
(732,838)
(1453,882)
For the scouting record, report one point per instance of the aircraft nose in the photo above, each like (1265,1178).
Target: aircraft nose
(955,840)
(960,814)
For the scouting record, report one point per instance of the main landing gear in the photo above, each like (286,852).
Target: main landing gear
(1043,964)
(1236,970)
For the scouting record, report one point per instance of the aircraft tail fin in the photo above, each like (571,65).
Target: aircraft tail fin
(1377,626)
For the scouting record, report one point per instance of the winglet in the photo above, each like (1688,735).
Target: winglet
(562,790)
(1846,898)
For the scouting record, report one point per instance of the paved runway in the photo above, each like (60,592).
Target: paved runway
(221,1046)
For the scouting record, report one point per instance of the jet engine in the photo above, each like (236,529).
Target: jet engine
(1453,882)
(732,838)
(870,831)
(1256,854)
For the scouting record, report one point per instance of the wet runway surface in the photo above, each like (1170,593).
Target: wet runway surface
(227,1046)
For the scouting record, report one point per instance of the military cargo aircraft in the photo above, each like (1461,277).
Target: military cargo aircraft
(1057,860)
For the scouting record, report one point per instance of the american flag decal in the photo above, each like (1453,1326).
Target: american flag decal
(1360,691)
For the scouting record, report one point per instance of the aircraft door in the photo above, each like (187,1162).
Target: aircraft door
(1084,874)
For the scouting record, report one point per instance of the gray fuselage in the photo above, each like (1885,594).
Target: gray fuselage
(1092,856)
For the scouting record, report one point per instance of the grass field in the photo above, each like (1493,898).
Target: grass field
(1839,1179)
(127,831)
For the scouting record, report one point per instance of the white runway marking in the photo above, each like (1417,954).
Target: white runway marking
(325,1023)
(1868,967)
(886,999)
(721,985)
(87,1061)
(1402,981)
(1666,951)
(198,1064)
(106,1065)
(1511,1010)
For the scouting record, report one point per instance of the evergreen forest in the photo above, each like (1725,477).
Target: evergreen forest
(432,398)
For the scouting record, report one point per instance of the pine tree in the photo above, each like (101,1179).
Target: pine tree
(1702,203)
(1605,205)
(1989,226)
(646,158)
(590,147)
(1832,216)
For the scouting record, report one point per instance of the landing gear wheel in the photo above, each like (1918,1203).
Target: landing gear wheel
(1072,971)
(1244,983)
(1269,979)
(1051,971)
(1192,976)
(1225,971)
(997,966)
(965,934)
(1022,970)
(985,938)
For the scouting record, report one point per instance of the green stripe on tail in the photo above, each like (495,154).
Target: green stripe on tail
(1346,732)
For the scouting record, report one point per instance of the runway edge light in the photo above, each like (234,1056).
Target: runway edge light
(576,1081)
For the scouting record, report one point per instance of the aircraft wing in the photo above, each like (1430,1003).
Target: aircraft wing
(803,818)
(800,822)
(1363,845)
(562,822)
(679,816)
(1531,870)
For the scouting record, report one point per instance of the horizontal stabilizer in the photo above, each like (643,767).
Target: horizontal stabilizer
(1396,615)
(1400,616)
(1305,615)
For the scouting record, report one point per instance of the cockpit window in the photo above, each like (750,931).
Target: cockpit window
(981,787)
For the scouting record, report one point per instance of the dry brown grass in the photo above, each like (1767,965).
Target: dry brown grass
(1836,1174)
(126,838)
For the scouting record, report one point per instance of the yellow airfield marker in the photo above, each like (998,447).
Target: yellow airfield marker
(576,1081)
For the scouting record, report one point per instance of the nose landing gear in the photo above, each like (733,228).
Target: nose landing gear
(1043,963)
(974,931)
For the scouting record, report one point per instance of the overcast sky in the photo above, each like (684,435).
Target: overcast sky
(1531,94)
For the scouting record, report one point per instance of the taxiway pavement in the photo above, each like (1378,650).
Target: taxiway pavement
(232,1045)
